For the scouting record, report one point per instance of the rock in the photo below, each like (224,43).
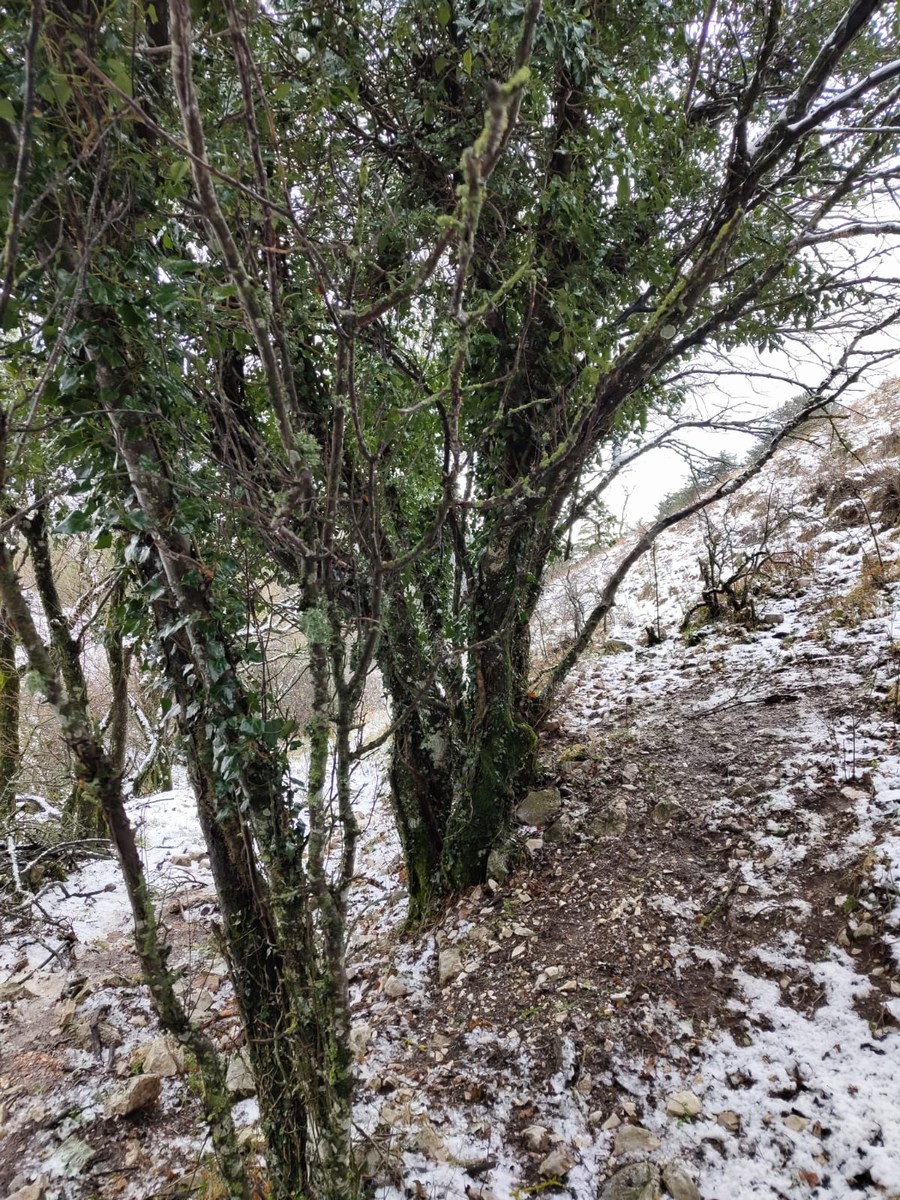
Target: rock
(163,1059)
(611,1122)
(432,1145)
(137,1094)
(498,865)
(612,821)
(239,1078)
(666,810)
(640,1181)
(630,772)
(30,1191)
(360,1036)
(450,965)
(134,1155)
(77,985)
(684,1104)
(251,1139)
(44,987)
(634,1139)
(729,1120)
(393,987)
(88,1035)
(865,929)
(557,1163)
(211,982)
(560,832)
(536,1137)
(796,1123)
(75,1155)
(678,1183)
(540,807)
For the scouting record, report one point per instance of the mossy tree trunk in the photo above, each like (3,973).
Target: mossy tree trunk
(82,808)
(118,658)
(10,684)
(460,760)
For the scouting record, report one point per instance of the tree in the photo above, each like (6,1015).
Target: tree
(461,338)
(362,310)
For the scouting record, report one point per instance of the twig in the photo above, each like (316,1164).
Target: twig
(10,250)
(14,862)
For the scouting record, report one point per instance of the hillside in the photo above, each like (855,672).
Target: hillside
(688,982)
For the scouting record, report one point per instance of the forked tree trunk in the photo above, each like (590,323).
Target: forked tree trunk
(458,768)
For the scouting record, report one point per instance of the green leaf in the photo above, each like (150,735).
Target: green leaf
(120,75)
(69,382)
(63,89)
(7,112)
(75,522)
(443,14)
(178,170)
(467,63)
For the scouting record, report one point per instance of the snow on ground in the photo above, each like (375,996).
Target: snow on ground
(696,968)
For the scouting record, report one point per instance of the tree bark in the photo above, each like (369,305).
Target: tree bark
(82,808)
(10,749)
(117,658)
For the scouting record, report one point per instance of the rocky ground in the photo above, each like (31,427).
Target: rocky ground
(684,981)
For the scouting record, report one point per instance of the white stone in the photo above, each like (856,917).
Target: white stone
(536,1137)
(137,1093)
(360,1036)
(450,965)
(679,1183)
(393,987)
(796,1123)
(632,1139)
(557,1163)
(163,1059)
(239,1078)
(684,1104)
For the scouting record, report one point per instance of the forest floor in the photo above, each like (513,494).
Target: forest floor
(688,982)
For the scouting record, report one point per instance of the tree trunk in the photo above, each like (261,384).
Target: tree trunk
(82,808)
(10,749)
(118,659)
(457,768)
(249,939)
(500,743)
(422,752)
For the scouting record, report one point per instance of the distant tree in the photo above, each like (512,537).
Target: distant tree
(366,306)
